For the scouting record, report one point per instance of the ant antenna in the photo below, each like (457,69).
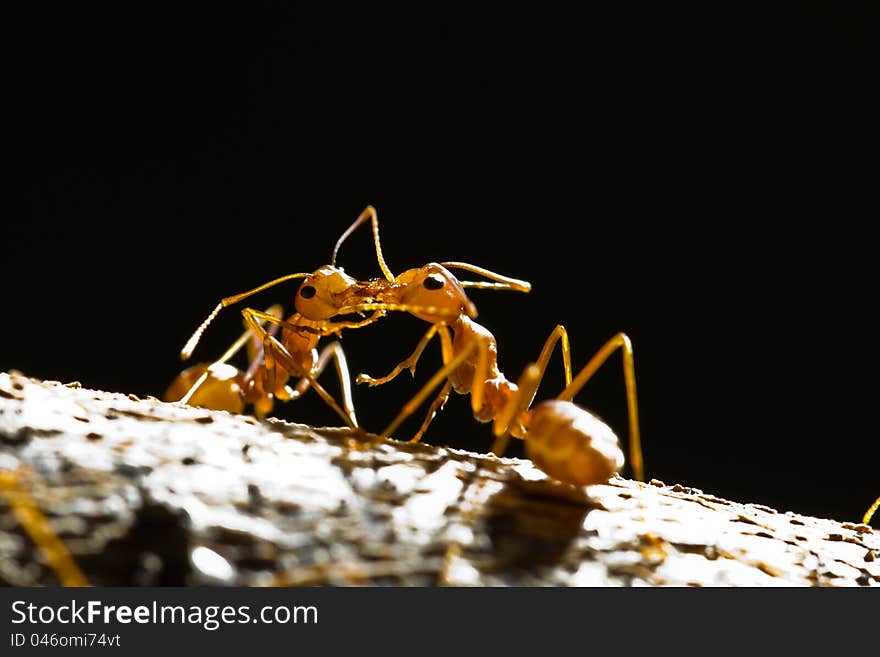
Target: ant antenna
(501,282)
(190,345)
(368,213)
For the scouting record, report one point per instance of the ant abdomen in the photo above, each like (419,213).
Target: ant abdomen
(571,444)
(220,390)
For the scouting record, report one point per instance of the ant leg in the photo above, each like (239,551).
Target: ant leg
(333,350)
(527,387)
(255,345)
(870,512)
(273,349)
(263,404)
(558,334)
(40,530)
(442,374)
(446,347)
(439,401)
(438,404)
(234,348)
(336,327)
(619,341)
(251,315)
(409,362)
(400,307)
(323,328)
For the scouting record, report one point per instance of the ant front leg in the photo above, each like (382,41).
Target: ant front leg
(442,331)
(477,385)
(336,327)
(274,351)
(323,328)
(410,363)
(39,529)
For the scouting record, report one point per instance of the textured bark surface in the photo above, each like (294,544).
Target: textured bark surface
(143,492)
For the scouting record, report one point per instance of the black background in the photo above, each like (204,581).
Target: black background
(701,177)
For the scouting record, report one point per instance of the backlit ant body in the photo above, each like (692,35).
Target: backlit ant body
(563,439)
(224,387)
(566,441)
(324,294)
(275,358)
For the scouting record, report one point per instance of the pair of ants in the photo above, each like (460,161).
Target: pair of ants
(566,441)
(563,439)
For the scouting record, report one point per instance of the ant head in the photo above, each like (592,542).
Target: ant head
(437,293)
(324,292)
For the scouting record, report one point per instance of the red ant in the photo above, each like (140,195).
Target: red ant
(320,298)
(563,439)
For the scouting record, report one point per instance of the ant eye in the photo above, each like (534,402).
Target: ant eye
(307,292)
(433,282)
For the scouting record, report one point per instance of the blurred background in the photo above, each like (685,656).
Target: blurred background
(701,177)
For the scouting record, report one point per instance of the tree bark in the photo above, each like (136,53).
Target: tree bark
(148,493)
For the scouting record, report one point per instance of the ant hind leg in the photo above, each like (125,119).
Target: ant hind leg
(335,352)
(527,387)
(619,341)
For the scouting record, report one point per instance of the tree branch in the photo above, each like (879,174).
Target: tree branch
(143,493)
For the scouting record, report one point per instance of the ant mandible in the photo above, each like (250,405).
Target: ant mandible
(565,440)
